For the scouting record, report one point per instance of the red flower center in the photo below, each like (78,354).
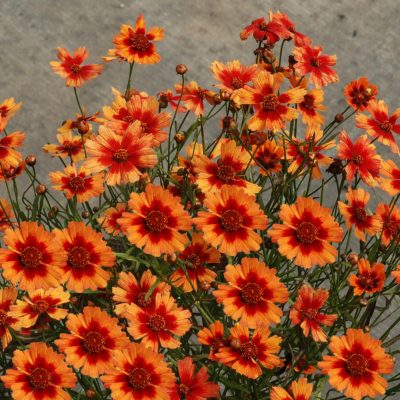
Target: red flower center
(308,102)
(310,313)
(252,293)
(386,126)
(392,227)
(139,378)
(31,257)
(193,261)
(157,323)
(225,173)
(3,112)
(357,159)
(306,233)
(270,102)
(140,42)
(3,318)
(315,62)
(141,300)
(231,220)
(76,183)
(41,306)
(237,83)
(40,378)
(94,342)
(78,257)
(144,126)
(368,281)
(356,364)
(263,26)
(183,389)
(360,214)
(75,68)
(217,343)
(156,221)
(248,350)
(120,155)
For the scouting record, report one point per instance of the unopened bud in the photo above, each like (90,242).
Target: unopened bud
(204,285)
(171,258)
(30,160)
(85,214)
(352,258)
(90,393)
(225,96)
(339,118)
(179,137)
(181,69)
(83,127)
(41,189)
(235,343)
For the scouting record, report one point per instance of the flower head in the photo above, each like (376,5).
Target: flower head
(68,146)
(389,218)
(8,109)
(359,93)
(369,279)
(109,219)
(193,97)
(9,156)
(269,157)
(300,390)
(390,177)
(213,337)
(8,296)
(6,215)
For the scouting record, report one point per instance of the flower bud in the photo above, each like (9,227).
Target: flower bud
(171,258)
(225,96)
(90,393)
(181,69)
(85,214)
(352,258)
(339,118)
(217,99)
(235,343)
(179,137)
(214,284)
(83,127)
(41,189)
(204,286)
(30,160)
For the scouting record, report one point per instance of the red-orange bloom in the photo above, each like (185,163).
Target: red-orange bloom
(251,292)
(299,38)
(390,220)
(390,177)
(359,93)
(69,67)
(9,157)
(396,274)
(193,96)
(310,60)
(356,365)
(306,312)
(6,215)
(300,390)
(109,219)
(231,220)
(310,106)
(213,337)
(369,279)
(11,173)
(306,233)
(39,373)
(69,146)
(269,157)
(8,296)
(93,338)
(8,108)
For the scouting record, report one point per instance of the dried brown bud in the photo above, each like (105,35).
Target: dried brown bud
(145,179)
(235,343)
(179,137)
(225,96)
(339,118)
(336,167)
(292,61)
(85,214)
(205,285)
(214,284)
(41,189)
(90,393)
(382,247)
(83,127)
(181,172)
(95,209)
(181,69)
(352,258)
(217,99)
(163,103)
(30,160)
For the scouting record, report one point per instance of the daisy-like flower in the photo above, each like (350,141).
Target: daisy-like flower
(251,293)
(31,259)
(7,174)
(250,353)
(8,296)
(71,69)
(231,221)
(120,155)
(390,220)
(8,108)
(39,373)
(300,390)
(357,365)
(109,219)
(155,221)
(193,97)
(299,38)
(380,124)
(139,373)
(390,177)
(68,146)
(9,157)
(369,279)
(306,233)
(269,157)
(87,255)
(128,291)
(213,337)
(168,97)
(94,336)
(271,108)
(228,170)
(359,93)
(80,123)
(77,182)
(361,157)
(6,215)
(311,106)
(193,150)
(40,304)
(306,312)
(356,215)
(159,324)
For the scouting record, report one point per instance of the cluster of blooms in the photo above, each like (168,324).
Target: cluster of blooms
(176,262)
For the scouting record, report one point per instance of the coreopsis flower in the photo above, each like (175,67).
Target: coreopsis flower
(271,108)
(213,337)
(303,366)
(92,339)
(311,106)
(40,304)
(8,108)
(39,373)
(128,290)
(169,98)
(306,312)
(269,157)
(299,38)
(139,373)
(390,177)
(8,296)
(195,257)
(87,255)
(11,173)
(310,60)
(300,390)
(227,170)
(357,365)
(359,93)
(193,97)
(71,69)
(396,274)
(306,233)
(81,124)
(6,215)
(369,278)
(120,155)
(361,157)
(159,325)
(69,146)
(192,150)
(9,157)
(389,217)
(380,124)
(32,259)
(231,221)
(155,222)
(356,215)
(109,219)
(250,353)
(77,182)
(251,293)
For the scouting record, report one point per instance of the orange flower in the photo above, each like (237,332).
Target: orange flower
(11,173)
(390,220)
(269,157)
(193,150)
(359,93)
(355,214)
(109,219)
(8,108)
(306,312)
(271,111)
(391,182)
(309,107)
(69,146)
(39,373)
(299,38)
(94,336)
(6,215)
(249,353)
(193,96)
(32,259)
(396,274)
(9,157)
(77,183)
(369,279)
(213,337)
(300,390)
(8,295)
(139,373)
(251,293)
(158,325)
(306,232)
(357,364)
(231,220)
(134,45)
(87,254)
(122,155)
(155,221)
(69,67)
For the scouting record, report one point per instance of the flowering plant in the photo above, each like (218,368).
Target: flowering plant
(177,258)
